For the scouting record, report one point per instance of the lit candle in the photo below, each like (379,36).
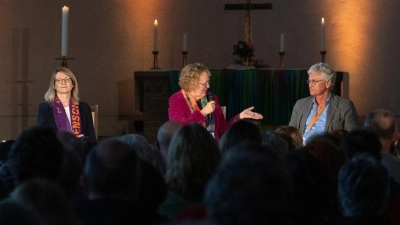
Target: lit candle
(185,42)
(322,34)
(282,46)
(155,35)
(64,31)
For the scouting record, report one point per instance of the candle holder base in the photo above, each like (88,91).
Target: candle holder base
(64,61)
(184,54)
(281,64)
(323,53)
(155,61)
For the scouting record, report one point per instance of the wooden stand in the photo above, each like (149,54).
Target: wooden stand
(184,62)
(155,62)
(281,64)
(323,53)
(64,61)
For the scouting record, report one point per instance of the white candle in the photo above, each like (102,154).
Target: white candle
(322,34)
(64,31)
(184,42)
(282,46)
(155,35)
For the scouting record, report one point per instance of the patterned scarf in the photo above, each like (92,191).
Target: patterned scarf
(60,116)
(192,102)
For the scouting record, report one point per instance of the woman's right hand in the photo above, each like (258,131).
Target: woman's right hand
(209,108)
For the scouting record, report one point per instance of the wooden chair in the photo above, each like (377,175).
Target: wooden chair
(95,117)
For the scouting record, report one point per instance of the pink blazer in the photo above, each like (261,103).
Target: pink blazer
(179,111)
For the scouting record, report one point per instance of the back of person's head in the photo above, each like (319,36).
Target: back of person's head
(362,140)
(165,134)
(47,200)
(363,186)
(336,136)
(13,212)
(193,156)
(112,171)
(240,131)
(249,188)
(72,166)
(294,133)
(383,122)
(278,143)
(37,153)
(152,189)
(313,187)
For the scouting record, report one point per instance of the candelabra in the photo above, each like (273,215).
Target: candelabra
(64,61)
(184,54)
(155,61)
(281,65)
(323,53)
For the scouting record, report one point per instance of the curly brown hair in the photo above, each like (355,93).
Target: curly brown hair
(191,74)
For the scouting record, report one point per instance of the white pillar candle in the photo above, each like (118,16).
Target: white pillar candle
(282,43)
(322,34)
(64,31)
(155,35)
(184,42)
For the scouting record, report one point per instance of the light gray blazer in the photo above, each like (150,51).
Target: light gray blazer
(341,114)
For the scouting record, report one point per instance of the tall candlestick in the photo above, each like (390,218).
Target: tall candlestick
(322,34)
(155,35)
(185,42)
(64,31)
(282,45)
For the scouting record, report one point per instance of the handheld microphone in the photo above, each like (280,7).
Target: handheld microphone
(210,97)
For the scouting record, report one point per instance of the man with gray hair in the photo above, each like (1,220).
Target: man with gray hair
(323,111)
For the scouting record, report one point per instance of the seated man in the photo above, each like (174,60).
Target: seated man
(323,111)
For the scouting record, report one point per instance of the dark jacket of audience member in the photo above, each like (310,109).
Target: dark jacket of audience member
(250,188)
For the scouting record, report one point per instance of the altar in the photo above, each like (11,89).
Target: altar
(272,92)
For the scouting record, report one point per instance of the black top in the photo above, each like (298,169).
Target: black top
(46,118)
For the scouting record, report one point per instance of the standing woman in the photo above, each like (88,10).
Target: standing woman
(63,109)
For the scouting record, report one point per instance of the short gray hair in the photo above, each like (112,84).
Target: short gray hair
(328,74)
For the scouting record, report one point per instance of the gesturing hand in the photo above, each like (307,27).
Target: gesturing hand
(248,113)
(209,108)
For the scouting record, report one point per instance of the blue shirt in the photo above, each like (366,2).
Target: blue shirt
(319,126)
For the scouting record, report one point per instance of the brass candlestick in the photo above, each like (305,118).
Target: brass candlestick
(155,62)
(281,64)
(64,61)
(323,53)
(184,54)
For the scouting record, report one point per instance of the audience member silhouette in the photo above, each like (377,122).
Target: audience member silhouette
(294,133)
(250,188)
(362,140)
(383,122)
(240,131)
(193,156)
(6,179)
(111,182)
(165,134)
(363,191)
(37,153)
(279,144)
(47,200)
(314,198)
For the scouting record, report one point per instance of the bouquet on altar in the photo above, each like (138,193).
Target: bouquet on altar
(243,50)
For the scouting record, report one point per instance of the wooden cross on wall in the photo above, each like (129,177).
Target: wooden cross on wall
(248,7)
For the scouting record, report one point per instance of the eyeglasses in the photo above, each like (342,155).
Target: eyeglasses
(313,81)
(206,84)
(64,80)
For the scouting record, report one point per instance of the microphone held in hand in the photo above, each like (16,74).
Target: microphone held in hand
(210,97)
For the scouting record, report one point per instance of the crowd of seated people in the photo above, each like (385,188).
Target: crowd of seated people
(250,176)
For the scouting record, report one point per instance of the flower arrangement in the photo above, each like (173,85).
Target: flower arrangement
(243,50)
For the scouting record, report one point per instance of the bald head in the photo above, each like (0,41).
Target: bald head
(165,134)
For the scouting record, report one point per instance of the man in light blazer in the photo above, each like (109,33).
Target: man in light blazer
(323,111)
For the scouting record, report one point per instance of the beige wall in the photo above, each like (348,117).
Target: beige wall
(110,39)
